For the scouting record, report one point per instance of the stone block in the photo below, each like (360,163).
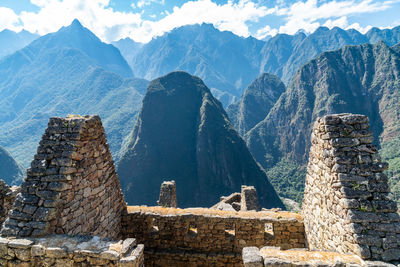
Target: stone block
(168,195)
(251,257)
(249,199)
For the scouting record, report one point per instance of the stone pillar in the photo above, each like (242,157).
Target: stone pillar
(168,195)
(347,205)
(249,200)
(72,186)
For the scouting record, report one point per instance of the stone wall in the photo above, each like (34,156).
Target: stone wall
(72,187)
(70,251)
(7,197)
(208,232)
(275,257)
(347,206)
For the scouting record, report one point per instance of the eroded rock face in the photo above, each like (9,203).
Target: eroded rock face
(347,205)
(72,187)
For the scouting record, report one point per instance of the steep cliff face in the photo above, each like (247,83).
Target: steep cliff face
(183,133)
(258,99)
(358,79)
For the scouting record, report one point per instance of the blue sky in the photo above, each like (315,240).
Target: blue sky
(142,20)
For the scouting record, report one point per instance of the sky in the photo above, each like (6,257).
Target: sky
(142,20)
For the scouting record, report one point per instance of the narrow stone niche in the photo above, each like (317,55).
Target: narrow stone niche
(72,186)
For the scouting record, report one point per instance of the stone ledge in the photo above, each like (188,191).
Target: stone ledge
(267,216)
(274,256)
(62,250)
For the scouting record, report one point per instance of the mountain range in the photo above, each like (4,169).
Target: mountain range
(361,79)
(67,72)
(183,133)
(228,63)
(10,171)
(73,71)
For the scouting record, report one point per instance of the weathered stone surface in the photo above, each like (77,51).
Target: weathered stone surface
(346,206)
(7,197)
(249,199)
(63,251)
(252,257)
(72,186)
(168,195)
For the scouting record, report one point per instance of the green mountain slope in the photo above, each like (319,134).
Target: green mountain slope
(10,171)
(358,79)
(12,41)
(183,133)
(53,77)
(257,100)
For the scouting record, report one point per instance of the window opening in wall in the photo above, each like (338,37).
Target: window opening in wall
(269,231)
(192,230)
(154,226)
(230,230)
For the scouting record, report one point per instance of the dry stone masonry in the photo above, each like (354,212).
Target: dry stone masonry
(168,195)
(7,197)
(347,206)
(72,187)
(209,234)
(59,250)
(249,200)
(246,200)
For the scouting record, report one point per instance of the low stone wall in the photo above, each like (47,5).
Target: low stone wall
(67,251)
(184,258)
(206,231)
(347,205)
(275,257)
(72,186)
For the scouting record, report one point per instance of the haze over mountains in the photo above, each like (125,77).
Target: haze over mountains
(72,71)
(12,41)
(67,72)
(228,63)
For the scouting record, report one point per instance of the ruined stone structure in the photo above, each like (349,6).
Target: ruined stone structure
(71,187)
(168,195)
(249,200)
(7,197)
(59,250)
(346,205)
(245,200)
(208,237)
(71,211)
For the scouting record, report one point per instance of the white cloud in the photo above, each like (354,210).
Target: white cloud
(265,31)
(234,15)
(356,26)
(143,3)
(95,14)
(308,15)
(231,16)
(8,19)
(340,22)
